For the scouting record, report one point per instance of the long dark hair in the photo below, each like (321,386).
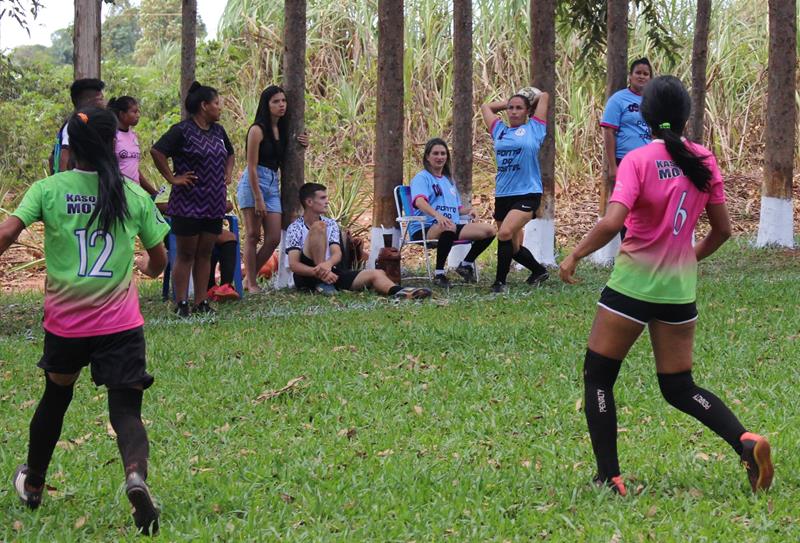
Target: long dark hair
(121,104)
(196,95)
(428,148)
(665,107)
(91,139)
(264,118)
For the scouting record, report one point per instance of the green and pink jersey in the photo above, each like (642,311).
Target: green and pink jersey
(657,262)
(90,289)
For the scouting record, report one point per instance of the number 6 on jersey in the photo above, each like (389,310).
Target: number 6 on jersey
(680,215)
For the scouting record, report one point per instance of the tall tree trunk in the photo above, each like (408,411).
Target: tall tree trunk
(699,63)
(463,110)
(188,49)
(389,120)
(86,39)
(775,225)
(294,84)
(540,233)
(617,69)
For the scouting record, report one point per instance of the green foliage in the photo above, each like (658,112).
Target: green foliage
(160,22)
(121,31)
(61,48)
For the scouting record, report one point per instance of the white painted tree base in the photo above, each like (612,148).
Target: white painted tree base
(775,225)
(284,278)
(605,256)
(540,239)
(376,243)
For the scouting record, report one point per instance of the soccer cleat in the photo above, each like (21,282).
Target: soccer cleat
(441,280)
(325,289)
(32,499)
(537,278)
(225,292)
(145,512)
(467,273)
(499,288)
(204,307)
(411,293)
(757,461)
(182,309)
(615,484)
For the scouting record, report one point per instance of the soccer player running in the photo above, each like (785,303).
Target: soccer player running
(518,190)
(92,217)
(435,197)
(662,188)
(129,153)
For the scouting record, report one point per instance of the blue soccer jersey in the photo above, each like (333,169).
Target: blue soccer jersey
(440,193)
(623,115)
(517,153)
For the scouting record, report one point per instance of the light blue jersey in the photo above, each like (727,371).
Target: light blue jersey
(623,115)
(517,153)
(441,194)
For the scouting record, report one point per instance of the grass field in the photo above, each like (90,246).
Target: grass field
(457,419)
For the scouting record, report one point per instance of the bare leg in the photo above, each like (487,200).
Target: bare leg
(272,238)
(377,280)
(613,335)
(316,244)
(252,225)
(476,231)
(186,248)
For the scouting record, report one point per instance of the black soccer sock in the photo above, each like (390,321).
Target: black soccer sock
(478,246)
(212,279)
(227,262)
(599,375)
(394,290)
(444,244)
(526,258)
(682,393)
(45,429)
(125,412)
(505,251)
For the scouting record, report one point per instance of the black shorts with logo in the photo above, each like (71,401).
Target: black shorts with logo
(644,312)
(417,236)
(192,226)
(117,360)
(528,203)
(345,281)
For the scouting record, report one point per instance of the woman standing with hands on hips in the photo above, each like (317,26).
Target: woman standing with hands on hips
(259,193)
(661,191)
(518,189)
(202,158)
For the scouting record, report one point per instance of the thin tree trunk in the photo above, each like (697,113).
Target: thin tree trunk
(389,118)
(617,69)
(462,97)
(86,39)
(540,234)
(775,225)
(699,64)
(294,84)
(188,48)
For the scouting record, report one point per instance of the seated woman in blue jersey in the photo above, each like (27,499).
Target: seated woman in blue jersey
(435,197)
(518,184)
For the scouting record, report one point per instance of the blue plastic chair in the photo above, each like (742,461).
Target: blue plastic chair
(169,242)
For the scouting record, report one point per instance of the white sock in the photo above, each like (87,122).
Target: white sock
(468,264)
(439,272)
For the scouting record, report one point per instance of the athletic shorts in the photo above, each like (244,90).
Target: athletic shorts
(117,360)
(345,281)
(528,203)
(417,236)
(191,226)
(270,190)
(644,312)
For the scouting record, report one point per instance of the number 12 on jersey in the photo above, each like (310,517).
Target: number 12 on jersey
(86,240)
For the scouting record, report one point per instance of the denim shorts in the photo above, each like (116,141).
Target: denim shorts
(270,190)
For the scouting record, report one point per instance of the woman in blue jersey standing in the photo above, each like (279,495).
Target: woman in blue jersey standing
(435,197)
(518,189)
(624,129)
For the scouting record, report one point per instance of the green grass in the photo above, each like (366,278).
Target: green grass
(452,420)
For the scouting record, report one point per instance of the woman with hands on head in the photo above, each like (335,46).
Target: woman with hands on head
(518,184)
(202,159)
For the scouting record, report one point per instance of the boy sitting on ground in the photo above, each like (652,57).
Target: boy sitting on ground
(313,247)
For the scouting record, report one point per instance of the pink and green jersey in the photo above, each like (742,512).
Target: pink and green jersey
(90,289)
(657,261)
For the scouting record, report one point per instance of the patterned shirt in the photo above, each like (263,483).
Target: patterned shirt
(205,153)
(657,262)
(297,233)
(90,289)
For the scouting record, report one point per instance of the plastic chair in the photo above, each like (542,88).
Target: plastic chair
(406,217)
(169,242)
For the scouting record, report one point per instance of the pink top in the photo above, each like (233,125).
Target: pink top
(128,154)
(657,261)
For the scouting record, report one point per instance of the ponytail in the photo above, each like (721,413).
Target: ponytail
(665,107)
(122,104)
(196,95)
(91,139)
